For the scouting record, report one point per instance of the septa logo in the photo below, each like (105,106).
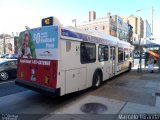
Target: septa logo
(47,52)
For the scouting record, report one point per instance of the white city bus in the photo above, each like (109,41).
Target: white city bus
(60,60)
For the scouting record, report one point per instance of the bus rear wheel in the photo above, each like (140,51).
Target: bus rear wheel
(96,82)
(130,67)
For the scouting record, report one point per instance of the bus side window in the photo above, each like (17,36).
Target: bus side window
(88,53)
(103,53)
(131,53)
(120,55)
(112,53)
(84,54)
(126,54)
(106,53)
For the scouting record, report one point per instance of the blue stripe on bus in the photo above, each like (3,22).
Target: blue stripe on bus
(84,37)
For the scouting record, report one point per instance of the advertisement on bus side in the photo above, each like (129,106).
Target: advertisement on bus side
(39,43)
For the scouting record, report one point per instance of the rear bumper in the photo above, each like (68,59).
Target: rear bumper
(38,88)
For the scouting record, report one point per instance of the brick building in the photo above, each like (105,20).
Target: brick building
(8,45)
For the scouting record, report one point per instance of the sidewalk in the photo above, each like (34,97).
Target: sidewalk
(145,69)
(130,93)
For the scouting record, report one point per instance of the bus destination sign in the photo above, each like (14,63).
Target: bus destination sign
(47,21)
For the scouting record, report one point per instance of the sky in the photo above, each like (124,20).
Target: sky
(16,14)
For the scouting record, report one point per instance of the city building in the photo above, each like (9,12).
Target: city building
(105,24)
(2,44)
(92,15)
(110,24)
(147,29)
(123,28)
(138,28)
(8,45)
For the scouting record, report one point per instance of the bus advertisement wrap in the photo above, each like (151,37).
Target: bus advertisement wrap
(39,43)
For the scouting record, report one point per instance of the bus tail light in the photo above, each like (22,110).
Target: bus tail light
(46,79)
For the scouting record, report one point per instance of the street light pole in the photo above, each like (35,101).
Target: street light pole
(140,59)
(152,20)
(151,17)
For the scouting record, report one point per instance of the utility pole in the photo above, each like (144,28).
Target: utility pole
(140,57)
(140,48)
(151,17)
(152,20)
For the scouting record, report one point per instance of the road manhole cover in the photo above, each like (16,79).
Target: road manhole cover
(93,108)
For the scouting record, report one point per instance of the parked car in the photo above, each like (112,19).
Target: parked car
(4,55)
(137,55)
(8,69)
(7,56)
(1,55)
(12,56)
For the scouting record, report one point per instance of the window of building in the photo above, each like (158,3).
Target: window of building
(88,53)
(120,55)
(85,28)
(120,22)
(103,53)
(103,27)
(119,30)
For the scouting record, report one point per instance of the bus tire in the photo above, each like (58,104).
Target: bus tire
(130,67)
(97,79)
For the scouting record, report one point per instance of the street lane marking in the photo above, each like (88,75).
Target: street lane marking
(7,82)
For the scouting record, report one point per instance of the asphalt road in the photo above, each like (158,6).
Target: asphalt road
(9,87)
(27,104)
(130,87)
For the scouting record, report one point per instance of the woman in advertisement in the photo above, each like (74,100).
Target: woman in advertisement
(24,51)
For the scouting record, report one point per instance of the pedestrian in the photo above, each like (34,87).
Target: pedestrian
(151,64)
